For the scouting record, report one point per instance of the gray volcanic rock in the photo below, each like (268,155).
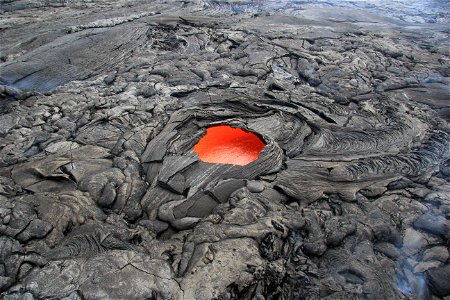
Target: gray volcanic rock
(102,195)
(437,280)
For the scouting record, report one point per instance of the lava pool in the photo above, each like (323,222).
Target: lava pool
(224,144)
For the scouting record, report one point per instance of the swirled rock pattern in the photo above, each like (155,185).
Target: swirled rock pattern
(103,197)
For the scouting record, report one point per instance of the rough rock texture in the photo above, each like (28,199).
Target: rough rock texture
(103,197)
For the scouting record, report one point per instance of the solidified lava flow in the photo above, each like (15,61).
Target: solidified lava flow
(124,173)
(227,145)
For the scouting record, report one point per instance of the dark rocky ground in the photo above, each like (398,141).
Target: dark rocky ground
(102,196)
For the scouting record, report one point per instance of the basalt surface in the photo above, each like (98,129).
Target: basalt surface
(102,195)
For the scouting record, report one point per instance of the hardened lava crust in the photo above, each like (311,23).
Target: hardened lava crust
(103,196)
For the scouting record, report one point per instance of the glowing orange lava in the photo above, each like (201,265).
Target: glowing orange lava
(224,144)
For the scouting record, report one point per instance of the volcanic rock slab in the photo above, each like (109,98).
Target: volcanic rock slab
(103,196)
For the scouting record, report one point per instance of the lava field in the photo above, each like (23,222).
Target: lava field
(224,149)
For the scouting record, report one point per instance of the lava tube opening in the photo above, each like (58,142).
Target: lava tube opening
(224,144)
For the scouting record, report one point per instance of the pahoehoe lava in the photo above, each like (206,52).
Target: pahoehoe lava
(224,149)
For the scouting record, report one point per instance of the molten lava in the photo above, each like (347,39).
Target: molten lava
(227,145)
